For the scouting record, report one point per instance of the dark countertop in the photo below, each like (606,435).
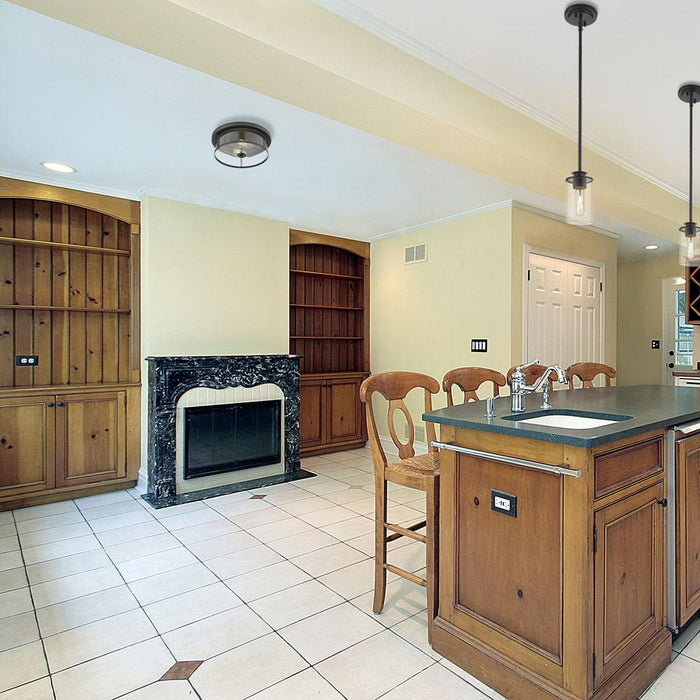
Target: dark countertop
(650,406)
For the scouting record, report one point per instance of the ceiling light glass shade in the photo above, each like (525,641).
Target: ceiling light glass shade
(688,246)
(241,145)
(579,200)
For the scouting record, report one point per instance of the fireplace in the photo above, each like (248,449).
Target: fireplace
(220,439)
(171,380)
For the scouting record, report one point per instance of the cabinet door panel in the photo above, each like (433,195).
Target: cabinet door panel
(90,437)
(628,577)
(26,444)
(688,529)
(311,412)
(344,410)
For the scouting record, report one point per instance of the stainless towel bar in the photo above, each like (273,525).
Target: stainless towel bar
(564,471)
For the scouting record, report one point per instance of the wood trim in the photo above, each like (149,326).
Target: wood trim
(360,248)
(123,209)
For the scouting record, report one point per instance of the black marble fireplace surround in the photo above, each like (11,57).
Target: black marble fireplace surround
(170,377)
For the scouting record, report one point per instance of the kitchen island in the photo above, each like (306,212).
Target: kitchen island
(553,541)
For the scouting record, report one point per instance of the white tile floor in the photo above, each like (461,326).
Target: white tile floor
(100,596)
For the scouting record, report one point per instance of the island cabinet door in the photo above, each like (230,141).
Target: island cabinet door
(688,528)
(507,560)
(629,578)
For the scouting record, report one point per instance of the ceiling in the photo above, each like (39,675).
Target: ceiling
(133,123)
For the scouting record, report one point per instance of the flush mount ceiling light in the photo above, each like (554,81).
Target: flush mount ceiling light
(651,246)
(579,208)
(241,145)
(59,167)
(690,93)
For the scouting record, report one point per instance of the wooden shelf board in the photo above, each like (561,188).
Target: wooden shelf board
(321,306)
(332,275)
(7,240)
(78,309)
(326,337)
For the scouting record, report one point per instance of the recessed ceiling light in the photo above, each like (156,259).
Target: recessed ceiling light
(59,167)
(651,246)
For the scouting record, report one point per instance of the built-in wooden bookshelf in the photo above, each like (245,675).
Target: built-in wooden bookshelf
(329,327)
(69,343)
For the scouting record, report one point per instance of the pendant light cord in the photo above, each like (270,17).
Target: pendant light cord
(580,83)
(690,191)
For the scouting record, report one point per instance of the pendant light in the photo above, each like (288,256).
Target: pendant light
(579,208)
(689,253)
(241,145)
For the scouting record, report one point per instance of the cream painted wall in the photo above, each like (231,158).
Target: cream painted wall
(423,315)
(213,282)
(640,318)
(557,237)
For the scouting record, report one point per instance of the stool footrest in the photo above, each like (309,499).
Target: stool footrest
(406,574)
(405,531)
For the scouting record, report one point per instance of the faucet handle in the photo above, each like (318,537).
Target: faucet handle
(527,364)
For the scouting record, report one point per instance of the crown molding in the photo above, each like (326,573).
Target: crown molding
(408,44)
(443,220)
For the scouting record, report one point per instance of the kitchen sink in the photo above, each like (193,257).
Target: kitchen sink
(570,420)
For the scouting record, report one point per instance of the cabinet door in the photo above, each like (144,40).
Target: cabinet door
(311,412)
(629,577)
(27,440)
(688,528)
(344,410)
(90,437)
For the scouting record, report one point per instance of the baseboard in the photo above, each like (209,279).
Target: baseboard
(390,449)
(143,479)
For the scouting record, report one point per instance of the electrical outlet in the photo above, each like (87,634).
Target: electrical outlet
(27,360)
(655,344)
(505,503)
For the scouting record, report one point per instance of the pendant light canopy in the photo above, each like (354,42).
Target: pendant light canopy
(689,253)
(241,145)
(579,208)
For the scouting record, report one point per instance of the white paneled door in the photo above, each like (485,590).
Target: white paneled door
(563,311)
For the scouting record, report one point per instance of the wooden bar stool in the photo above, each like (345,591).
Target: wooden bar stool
(418,472)
(587,372)
(469,379)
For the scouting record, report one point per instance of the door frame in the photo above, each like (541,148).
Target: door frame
(566,257)
(668,285)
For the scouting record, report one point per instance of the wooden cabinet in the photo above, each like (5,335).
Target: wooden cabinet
(27,445)
(69,299)
(629,578)
(53,441)
(331,413)
(329,328)
(560,594)
(687,529)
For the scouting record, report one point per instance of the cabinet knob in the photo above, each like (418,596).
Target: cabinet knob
(662,502)
(60,403)
(50,405)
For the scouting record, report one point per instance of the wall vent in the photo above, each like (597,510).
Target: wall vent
(415,253)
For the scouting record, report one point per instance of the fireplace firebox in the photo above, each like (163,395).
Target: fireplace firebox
(233,436)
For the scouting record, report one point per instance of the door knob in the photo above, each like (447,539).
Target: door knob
(662,502)
(671,353)
(671,365)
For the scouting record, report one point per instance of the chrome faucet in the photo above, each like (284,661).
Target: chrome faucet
(518,387)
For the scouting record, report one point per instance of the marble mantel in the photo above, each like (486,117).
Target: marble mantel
(170,377)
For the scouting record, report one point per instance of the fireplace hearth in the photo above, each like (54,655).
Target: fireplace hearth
(170,377)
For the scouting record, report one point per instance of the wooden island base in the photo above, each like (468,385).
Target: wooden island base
(552,564)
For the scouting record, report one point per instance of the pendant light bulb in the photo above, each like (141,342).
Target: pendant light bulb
(579,209)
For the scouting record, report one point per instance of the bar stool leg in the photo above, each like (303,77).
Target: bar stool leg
(380,506)
(432,496)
